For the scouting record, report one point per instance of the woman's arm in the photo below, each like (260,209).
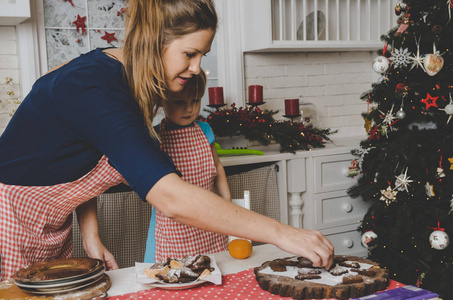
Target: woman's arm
(220,181)
(88,223)
(197,207)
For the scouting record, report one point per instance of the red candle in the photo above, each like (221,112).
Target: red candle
(255,93)
(292,107)
(216,95)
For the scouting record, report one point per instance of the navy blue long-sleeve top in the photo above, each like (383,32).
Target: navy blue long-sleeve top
(72,117)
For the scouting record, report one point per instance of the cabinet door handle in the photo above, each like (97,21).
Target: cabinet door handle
(348,243)
(347,207)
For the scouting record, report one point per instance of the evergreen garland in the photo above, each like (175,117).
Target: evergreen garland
(260,126)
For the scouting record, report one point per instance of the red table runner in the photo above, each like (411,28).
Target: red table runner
(240,285)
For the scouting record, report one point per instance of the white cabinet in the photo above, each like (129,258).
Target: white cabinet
(326,205)
(13,12)
(347,243)
(293,25)
(335,209)
(313,192)
(330,172)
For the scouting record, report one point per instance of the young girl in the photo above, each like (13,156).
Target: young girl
(190,144)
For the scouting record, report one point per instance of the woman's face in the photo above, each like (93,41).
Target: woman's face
(182,57)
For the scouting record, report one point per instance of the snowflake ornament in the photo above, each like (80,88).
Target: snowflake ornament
(448,109)
(388,195)
(417,59)
(402,181)
(361,153)
(400,58)
(389,117)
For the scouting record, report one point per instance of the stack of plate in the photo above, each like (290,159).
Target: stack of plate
(60,275)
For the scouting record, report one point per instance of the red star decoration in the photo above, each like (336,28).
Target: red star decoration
(70,1)
(80,23)
(374,133)
(430,101)
(109,37)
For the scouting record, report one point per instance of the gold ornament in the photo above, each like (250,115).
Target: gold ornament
(368,125)
(429,190)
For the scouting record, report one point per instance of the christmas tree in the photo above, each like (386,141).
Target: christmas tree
(406,161)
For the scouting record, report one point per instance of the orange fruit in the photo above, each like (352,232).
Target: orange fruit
(240,248)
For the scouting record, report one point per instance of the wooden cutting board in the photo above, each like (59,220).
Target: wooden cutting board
(8,290)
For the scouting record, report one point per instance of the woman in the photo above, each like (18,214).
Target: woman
(87,126)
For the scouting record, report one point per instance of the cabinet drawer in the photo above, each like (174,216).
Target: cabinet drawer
(348,243)
(335,209)
(331,173)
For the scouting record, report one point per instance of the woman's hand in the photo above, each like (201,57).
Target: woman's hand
(311,244)
(95,249)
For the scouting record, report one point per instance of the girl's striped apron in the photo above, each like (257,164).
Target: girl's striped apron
(191,153)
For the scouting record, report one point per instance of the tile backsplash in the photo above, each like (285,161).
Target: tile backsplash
(98,23)
(10,92)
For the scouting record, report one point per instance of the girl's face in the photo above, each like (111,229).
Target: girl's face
(182,57)
(180,109)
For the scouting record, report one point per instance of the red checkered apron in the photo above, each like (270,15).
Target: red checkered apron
(36,221)
(191,153)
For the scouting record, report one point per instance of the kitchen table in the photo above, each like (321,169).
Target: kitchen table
(239,280)
(124,280)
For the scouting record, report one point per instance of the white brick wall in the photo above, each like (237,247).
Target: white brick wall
(329,82)
(9,75)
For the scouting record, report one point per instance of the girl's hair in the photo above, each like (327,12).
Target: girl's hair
(150,26)
(196,86)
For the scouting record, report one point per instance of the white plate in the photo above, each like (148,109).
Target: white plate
(48,291)
(215,277)
(63,284)
(177,286)
(69,269)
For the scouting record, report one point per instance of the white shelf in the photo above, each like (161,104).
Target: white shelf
(14,12)
(292,25)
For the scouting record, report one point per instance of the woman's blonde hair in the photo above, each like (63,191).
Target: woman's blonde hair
(150,26)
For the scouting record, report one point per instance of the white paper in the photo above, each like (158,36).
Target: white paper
(326,277)
(215,277)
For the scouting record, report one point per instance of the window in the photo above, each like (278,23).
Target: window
(70,28)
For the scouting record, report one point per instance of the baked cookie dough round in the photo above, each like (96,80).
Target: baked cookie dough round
(295,277)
